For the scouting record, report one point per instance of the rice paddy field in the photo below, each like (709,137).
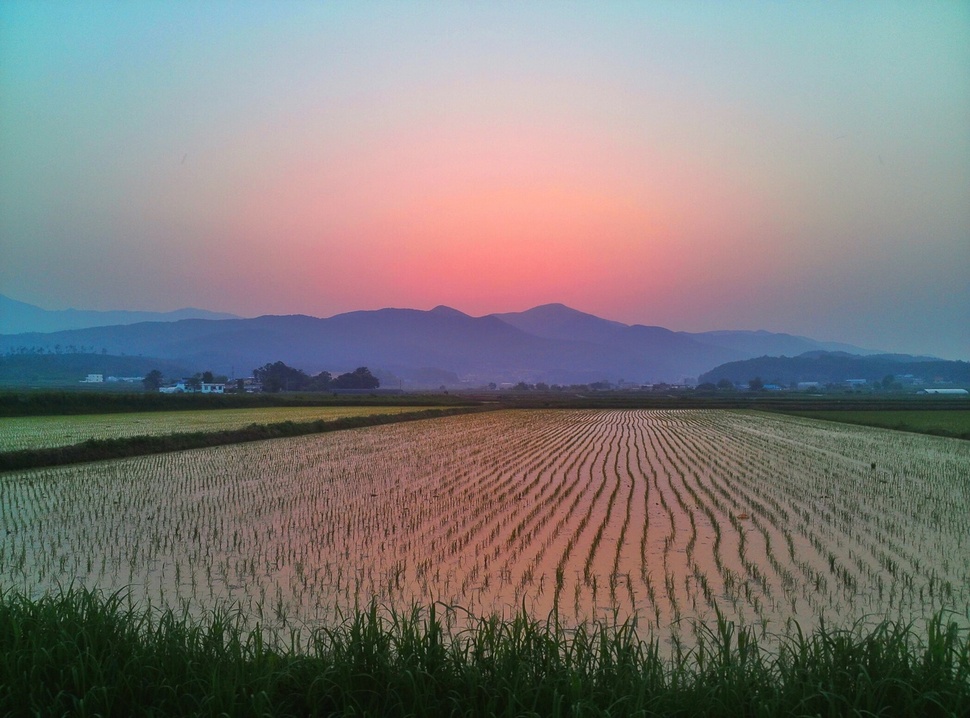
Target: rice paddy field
(41,432)
(664,517)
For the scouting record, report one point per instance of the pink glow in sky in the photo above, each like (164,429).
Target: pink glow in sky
(793,167)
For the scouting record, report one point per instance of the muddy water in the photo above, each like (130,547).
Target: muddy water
(662,517)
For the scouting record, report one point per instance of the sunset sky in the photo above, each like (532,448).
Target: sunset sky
(797,167)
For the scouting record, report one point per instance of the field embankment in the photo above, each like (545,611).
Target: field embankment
(136,443)
(99,401)
(46,432)
(78,653)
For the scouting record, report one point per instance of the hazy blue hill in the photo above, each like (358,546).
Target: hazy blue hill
(394,338)
(557,321)
(672,355)
(759,343)
(223,346)
(898,358)
(34,369)
(836,367)
(551,343)
(634,352)
(19,317)
(387,338)
(442,310)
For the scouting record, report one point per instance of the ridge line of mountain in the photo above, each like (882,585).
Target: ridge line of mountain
(549,343)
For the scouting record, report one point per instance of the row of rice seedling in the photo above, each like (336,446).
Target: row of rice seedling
(875,507)
(39,432)
(659,516)
(841,513)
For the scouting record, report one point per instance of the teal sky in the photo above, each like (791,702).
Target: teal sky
(798,167)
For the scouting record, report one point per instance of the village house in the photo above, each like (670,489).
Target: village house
(183,386)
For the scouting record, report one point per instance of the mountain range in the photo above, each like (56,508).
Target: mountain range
(837,367)
(551,343)
(19,317)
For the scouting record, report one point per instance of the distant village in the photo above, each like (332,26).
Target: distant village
(208,384)
(272,377)
(181,386)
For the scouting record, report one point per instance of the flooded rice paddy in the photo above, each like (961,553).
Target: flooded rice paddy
(659,516)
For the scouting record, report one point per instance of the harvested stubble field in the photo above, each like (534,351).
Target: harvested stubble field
(41,432)
(662,516)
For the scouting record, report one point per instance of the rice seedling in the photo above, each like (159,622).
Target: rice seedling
(664,516)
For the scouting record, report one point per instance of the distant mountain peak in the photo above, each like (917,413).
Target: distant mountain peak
(557,321)
(553,306)
(446,311)
(559,310)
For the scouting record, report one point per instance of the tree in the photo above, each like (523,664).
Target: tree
(756,384)
(280,377)
(725,384)
(321,382)
(359,378)
(152,380)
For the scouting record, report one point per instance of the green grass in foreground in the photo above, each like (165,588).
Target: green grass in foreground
(942,422)
(79,653)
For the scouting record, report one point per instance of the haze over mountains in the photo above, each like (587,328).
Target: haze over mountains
(19,317)
(551,343)
(838,367)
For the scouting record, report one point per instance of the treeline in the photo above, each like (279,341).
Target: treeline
(68,349)
(835,367)
(280,377)
(66,402)
(58,403)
